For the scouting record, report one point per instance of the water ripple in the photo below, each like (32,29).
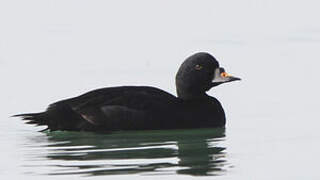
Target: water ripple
(189,152)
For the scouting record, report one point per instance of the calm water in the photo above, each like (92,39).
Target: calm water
(189,152)
(51,50)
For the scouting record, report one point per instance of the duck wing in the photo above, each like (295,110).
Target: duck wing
(119,108)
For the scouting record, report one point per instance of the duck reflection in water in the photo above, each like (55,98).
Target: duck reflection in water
(191,152)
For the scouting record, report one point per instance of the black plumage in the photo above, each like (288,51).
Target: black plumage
(143,107)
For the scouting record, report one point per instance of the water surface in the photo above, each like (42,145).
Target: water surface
(190,152)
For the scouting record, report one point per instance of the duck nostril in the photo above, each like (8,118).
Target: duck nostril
(224,74)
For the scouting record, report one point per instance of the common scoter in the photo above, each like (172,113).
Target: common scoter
(143,107)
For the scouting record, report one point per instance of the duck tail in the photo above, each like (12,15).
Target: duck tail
(33,118)
(56,117)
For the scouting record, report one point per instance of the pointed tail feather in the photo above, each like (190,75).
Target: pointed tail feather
(32,118)
(26,114)
(59,117)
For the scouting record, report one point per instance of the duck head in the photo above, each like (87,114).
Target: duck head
(198,74)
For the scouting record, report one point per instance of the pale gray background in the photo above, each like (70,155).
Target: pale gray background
(50,50)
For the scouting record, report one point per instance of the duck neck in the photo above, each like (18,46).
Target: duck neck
(191,95)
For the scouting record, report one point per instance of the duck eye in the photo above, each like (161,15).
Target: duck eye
(198,67)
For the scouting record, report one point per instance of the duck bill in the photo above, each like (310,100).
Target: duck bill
(222,77)
(225,80)
(232,78)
